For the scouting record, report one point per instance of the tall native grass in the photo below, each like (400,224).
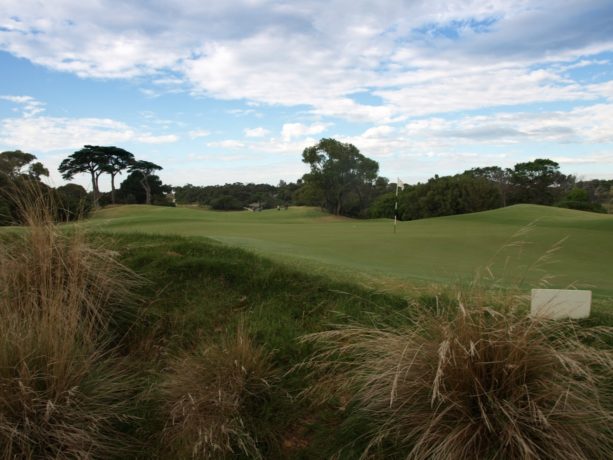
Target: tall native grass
(468,381)
(212,397)
(62,393)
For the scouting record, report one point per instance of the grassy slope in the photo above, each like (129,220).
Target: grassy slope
(198,291)
(448,249)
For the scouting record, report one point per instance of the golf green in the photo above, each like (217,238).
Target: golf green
(523,245)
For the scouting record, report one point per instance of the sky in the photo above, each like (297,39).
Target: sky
(234,90)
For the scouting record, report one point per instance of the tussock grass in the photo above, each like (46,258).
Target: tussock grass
(62,393)
(471,382)
(211,398)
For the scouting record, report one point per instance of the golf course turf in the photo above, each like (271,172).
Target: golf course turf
(520,246)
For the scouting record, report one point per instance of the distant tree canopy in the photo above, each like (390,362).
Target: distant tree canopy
(341,176)
(73,202)
(117,160)
(539,182)
(12,164)
(218,196)
(96,160)
(145,169)
(132,191)
(19,174)
(440,196)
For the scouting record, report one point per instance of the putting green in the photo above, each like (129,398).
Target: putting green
(514,246)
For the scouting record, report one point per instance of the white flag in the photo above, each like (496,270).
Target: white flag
(400,184)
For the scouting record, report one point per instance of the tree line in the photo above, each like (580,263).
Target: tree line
(97,160)
(20,175)
(479,189)
(341,180)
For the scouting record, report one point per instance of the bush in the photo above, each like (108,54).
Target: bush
(582,206)
(74,202)
(62,393)
(472,383)
(226,203)
(211,399)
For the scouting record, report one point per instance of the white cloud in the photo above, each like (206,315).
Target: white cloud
(256,132)
(30,106)
(290,131)
(197,133)
(588,125)
(55,133)
(420,57)
(152,139)
(227,144)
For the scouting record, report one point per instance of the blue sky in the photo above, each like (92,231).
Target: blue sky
(227,91)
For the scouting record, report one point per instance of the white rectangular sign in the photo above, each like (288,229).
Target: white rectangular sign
(560,303)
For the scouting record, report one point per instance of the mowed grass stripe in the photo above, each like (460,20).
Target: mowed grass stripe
(511,242)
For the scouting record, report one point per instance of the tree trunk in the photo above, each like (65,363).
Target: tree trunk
(145,185)
(113,188)
(95,188)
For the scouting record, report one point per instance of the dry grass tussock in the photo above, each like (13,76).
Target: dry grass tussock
(211,399)
(61,392)
(472,382)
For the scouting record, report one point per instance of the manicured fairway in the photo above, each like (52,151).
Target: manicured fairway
(511,242)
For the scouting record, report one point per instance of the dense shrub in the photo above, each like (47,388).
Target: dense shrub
(226,203)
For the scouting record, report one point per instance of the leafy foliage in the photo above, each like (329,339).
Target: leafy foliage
(131,190)
(444,196)
(236,195)
(145,169)
(90,160)
(344,176)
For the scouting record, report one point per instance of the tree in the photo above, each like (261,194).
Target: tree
(539,182)
(145,169)
(448,195)
(497,175)
(339,170)
(16,180)
(131,190)
(118,160)
(90,159)
(72,202)
(13,162)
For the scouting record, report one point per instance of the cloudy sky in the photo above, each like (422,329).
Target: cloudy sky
(234,90)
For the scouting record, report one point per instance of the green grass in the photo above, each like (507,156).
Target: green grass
(199,291)
(505,246)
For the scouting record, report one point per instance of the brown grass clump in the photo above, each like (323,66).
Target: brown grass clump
(62,394)
(472,383)
(211,399)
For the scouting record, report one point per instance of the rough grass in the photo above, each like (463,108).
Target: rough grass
(211,397)
(471,382)
(62,393)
